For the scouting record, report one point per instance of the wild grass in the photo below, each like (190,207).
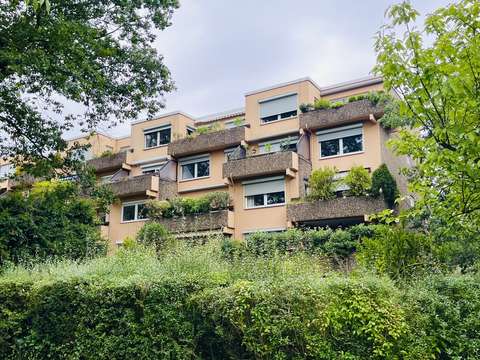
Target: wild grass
(142,265)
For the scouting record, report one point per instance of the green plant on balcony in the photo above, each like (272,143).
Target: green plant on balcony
(238,121)
(384,183)
(106,153)
(267,147)
(322,184)
(205,129)
(358,181)
(321,104)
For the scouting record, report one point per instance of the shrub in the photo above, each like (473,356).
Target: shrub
(320,104)
(53,220)
(358,180)
(321,184)
(304,108)
(106,153)
(153,234)
(396,252)
(218,200)
(233,248)
(340,245)
(383,182)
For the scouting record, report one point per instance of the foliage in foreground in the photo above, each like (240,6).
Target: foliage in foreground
(192,303)
(51,221)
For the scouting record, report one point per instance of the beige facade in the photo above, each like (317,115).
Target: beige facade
(276,148)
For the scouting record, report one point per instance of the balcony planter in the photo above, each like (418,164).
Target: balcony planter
(346,114)
(108,163)
(138,185)
(339,208)
(220,221)
(207,142)
(284,162)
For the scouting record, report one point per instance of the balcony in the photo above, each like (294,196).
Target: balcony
(25,180)
(207,142)
(340,211)
(200,224)
(348,113)
(109,163)
(284,162)
(147,185)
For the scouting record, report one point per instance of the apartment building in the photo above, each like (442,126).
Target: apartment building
(261,154)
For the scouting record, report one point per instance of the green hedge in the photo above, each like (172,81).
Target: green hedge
(193,304)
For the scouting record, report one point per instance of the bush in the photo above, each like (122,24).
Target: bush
(53,220)
(358,180)
(384,183)
(178,207)
(321,184)
(320,104)
(153,234)
(396,252)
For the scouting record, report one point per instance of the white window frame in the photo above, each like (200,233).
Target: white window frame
(265,195)
(157,130)
(261,146)
(156,167)
(130,203)
(191,129)
(340,138)
(194,160)
(231,124)
(279,118)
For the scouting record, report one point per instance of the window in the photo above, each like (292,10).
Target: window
(284,144)
(152,168)
(278,108)
(190,130)
(134,212)
(157,136)
(194,168)
(265,192)
(340,141)
(6,170)
(234,123)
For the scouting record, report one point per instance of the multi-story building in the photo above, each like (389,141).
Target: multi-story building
(262,154)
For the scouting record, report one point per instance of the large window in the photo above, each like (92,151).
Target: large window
(193,168)
(278,108)
(153,168)
(283,144)
(134,212)
(340,141)
(157,136)
(265,192)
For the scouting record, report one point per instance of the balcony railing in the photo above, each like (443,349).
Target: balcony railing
(259,165)
(339,208)
(207,142)
(108,163)
(219,221)
(148,185)
(348,113)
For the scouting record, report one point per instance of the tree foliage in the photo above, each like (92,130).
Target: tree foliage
(436,71)
(95,56)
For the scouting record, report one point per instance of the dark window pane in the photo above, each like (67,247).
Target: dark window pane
(203,168)
(330,147)
(258,200)
(129,213)
(288,114)
(165,136)
(276,198)
(151,140)
(269,118)
(352,144)
(188,171)
(142,211)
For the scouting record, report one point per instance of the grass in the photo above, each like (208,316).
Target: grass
(141,264)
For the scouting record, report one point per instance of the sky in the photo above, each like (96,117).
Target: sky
(217,50)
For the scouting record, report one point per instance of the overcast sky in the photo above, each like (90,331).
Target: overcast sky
(219,49)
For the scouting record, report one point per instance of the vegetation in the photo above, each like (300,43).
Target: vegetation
(384,183)
(98,55)
(191,302)
(358,181)
(375,97)
(155,235)
(51,221)
(178,207)
(322,184)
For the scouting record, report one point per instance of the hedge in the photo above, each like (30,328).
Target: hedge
(193,304)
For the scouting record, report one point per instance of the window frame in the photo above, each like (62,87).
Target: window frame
(340,140)
(266,194)
(278,115)
(136,218)
(293,140)
(195,161)
(156,130)
(155,167)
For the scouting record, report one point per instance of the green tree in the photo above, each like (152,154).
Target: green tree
(436,71)
(322,183)
(95,56)
(358,180)
(52,220)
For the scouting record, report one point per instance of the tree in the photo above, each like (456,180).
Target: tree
(96,56)
(436,72)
